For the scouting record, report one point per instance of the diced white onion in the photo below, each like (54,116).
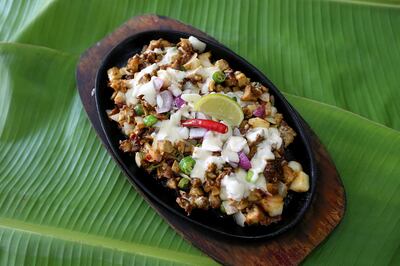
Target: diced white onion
(195,133)
(138,159)
(265,97)
(229,209)
(191,97)
(158,83)
(197,44)
(239,218)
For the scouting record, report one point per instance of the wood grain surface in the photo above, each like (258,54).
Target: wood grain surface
(292,247)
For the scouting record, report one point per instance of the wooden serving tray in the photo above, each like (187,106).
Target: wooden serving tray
(290,248)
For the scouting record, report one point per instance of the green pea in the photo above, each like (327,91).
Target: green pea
(150,120)
(249,176)
(138,109)
(218,77)
(184,183)
(186,164)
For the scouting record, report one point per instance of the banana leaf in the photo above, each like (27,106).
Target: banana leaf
(63,201)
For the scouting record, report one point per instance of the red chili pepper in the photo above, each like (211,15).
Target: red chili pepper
(207,124)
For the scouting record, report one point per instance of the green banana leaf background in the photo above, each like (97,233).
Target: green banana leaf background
(63,201)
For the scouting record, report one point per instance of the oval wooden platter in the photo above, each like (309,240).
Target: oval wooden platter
(290,248)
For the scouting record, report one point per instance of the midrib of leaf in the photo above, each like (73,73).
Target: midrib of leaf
(381,3)
(92,240)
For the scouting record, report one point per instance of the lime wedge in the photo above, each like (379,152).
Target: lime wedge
(220,107)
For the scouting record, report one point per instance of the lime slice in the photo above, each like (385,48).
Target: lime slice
(220,107)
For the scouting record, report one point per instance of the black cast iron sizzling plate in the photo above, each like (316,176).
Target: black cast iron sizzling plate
(296,204)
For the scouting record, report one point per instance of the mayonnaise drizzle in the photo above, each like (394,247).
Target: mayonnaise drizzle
(236,187)
(171,129)
(264,152)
